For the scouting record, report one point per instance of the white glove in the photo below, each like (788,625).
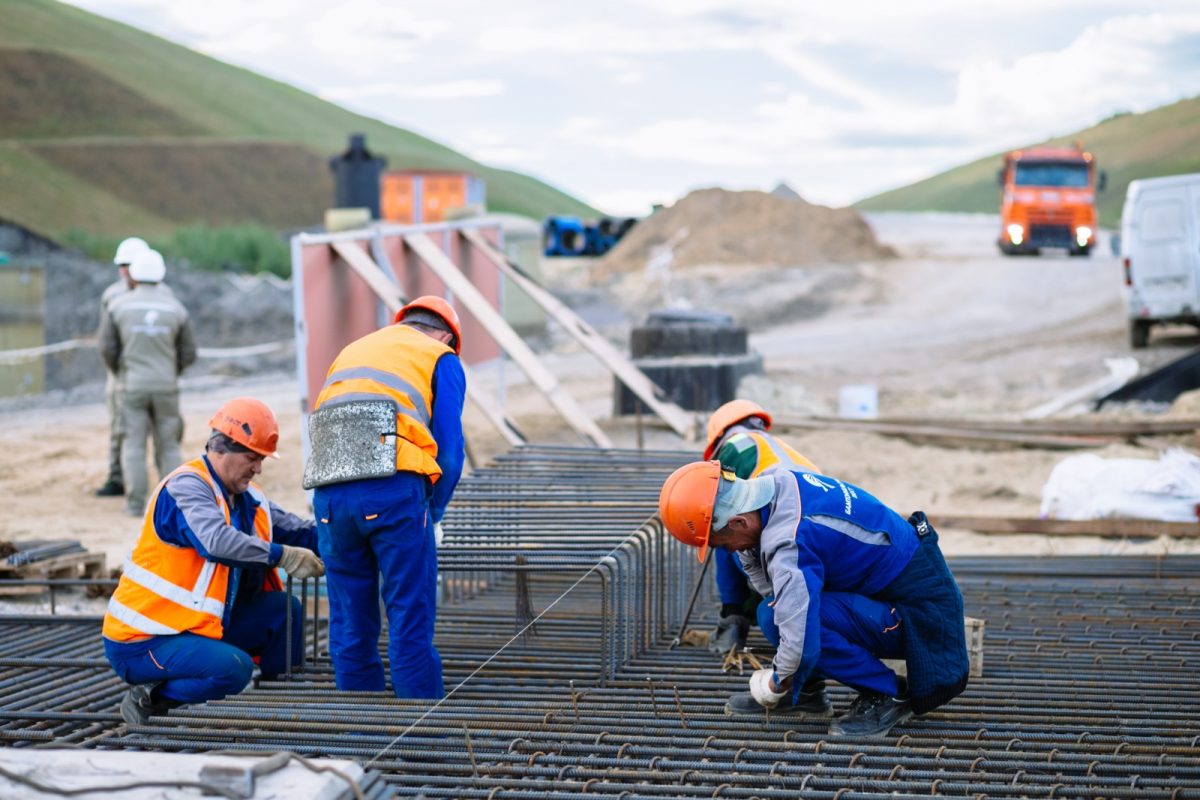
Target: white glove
(760,688)
(301,563)
(438,533)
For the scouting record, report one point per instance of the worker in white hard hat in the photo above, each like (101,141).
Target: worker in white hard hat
(146,340)
(737,437)
(114,484)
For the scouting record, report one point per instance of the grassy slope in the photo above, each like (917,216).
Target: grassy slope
(228,101)
(1165,141)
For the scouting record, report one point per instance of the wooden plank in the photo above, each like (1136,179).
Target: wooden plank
(506,337)
(1117,429)
(1106,528)
(681,421)
(393,298)
(943,434)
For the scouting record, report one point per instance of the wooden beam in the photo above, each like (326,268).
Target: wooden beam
(1117,429)
(943,434)
(1105,528)
(506,337)
(681,421)
(393,298)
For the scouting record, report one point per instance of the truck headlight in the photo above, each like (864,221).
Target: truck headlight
(1082,234)
(1016,234)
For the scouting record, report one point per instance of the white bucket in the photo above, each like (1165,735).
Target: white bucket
(860,401)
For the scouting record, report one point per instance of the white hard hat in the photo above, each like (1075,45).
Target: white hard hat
(147,267)
(127,249)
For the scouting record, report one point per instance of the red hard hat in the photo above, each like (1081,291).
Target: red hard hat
(250,423)
(729,415)
(686,502)
(436,305)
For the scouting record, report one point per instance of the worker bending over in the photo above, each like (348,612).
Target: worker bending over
(199,595)
(738,438)
(847,581)
(387,451)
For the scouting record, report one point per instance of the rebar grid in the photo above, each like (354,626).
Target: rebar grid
(1089,685)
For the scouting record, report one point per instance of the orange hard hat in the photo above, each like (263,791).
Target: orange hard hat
(436,305)
(250,423)
(729,415)
(686,502)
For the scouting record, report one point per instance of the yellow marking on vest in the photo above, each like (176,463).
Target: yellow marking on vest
(371,516)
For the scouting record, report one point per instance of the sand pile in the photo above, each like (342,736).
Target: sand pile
(715,226)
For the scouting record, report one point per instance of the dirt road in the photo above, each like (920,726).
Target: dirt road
(949,328)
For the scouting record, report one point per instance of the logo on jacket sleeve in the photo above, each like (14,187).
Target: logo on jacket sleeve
(815,481)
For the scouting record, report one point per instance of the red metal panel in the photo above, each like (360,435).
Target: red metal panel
(339,307)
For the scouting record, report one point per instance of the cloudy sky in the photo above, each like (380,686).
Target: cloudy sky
(627,102)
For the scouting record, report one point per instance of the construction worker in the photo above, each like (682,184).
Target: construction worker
(847,581)
(114,485)
(145,338)
(199,596)
(738,438)
(379,506)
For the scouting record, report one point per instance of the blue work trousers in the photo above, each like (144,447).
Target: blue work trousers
(193,668)
(372,528)
(856,632)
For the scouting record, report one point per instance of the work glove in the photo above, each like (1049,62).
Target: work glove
(761,691)
(732,629)
(301,563)
(438,533)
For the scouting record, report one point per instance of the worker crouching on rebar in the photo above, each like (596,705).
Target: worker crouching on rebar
(199,597)
(737,437)
(846,582)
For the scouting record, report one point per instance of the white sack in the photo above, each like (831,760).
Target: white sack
(1089,487)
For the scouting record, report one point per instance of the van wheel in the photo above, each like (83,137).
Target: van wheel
(1139,333)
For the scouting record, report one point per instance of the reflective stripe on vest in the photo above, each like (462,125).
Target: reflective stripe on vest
(772,451)
(167,589)
(394,363)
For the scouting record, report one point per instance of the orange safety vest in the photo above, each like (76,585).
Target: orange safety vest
(394,363)
(167,589)
(772,451)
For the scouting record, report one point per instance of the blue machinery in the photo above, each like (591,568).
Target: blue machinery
(571,236)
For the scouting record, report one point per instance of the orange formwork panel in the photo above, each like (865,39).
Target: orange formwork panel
(422,196)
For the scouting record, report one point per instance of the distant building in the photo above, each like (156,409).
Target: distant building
(414,196)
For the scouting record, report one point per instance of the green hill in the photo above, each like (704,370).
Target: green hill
(109,130)
(1165,141)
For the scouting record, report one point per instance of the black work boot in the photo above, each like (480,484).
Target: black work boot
(139,704)
(811,700)
(872,716)
(113,487)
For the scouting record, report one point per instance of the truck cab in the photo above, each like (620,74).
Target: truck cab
(1048,199)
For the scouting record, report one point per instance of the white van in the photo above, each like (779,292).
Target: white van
(1160,249)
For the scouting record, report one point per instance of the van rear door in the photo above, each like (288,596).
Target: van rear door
(1163,255)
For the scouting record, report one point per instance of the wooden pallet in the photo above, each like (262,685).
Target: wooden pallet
(65,567)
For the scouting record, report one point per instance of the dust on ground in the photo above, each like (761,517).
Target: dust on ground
(948,328)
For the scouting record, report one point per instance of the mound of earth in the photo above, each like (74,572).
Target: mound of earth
(716,226)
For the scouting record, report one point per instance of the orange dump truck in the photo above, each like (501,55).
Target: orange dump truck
(1048,199)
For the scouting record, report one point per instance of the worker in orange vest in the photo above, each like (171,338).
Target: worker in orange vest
(846,582)
(738,438)
(397,394)
(199,596)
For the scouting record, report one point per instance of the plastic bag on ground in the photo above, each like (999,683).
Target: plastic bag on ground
(1090,487)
